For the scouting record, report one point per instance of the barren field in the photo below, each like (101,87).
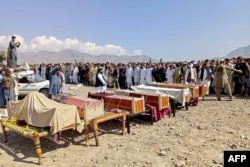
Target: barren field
(194,138)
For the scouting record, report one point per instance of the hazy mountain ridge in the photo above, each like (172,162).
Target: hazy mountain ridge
(242,51)
(72,55)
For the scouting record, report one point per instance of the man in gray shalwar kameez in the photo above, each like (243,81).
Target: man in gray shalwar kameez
(12,51)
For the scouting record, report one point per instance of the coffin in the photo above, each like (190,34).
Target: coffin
(98,96)
(87,108)
(160,101)
(180,95)
(126,103)
(194,89)
(203,90)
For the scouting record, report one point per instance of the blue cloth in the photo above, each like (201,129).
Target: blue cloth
(2,97)
(9,94)
(54,83)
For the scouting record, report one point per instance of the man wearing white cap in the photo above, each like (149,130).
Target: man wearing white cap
(100,80)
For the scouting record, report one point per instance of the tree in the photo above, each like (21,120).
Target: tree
(2,56)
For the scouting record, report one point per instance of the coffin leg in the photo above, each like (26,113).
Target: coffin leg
(173,109)
(128,124)
(38,147)
(86,134)
(123,124)
(4,133)
(186,105)
(95,128)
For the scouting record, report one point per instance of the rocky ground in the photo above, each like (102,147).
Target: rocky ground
(195,138)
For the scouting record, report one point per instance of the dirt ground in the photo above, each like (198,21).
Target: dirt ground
(194,138)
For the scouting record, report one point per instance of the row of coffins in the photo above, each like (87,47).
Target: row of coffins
(134,104)
(37,116)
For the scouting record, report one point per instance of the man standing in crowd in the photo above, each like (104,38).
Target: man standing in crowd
(241,79)
(8,84)
(211,87)
(205,75)
(191,74)
(136,74)
(230,74)
(184,71)
(16,88)
(12,53)
(170,74)
(143,74)
(2,97)
(162,72)
(177,74)
(155,73)
(54,83)
(100,80)
(129,74)
(81,73)
(221,80)
(149,74)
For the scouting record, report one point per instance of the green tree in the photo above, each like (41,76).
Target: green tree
(2,56)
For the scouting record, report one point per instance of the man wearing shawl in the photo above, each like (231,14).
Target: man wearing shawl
(2,98)
(12,51)
(54,84)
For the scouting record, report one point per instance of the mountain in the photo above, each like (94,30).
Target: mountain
(72,55)
(242,51)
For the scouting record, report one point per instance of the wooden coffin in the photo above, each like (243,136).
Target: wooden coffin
(98,96)
(126,103)
(194,89)
(88,108)
(160,101)
(203,90)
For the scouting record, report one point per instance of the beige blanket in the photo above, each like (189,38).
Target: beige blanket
(37,110)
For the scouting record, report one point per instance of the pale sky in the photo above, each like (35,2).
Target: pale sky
(167,29)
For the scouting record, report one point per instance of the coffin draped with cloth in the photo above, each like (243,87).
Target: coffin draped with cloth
(39,111)
(180,95)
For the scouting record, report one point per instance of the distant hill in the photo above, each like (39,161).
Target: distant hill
(71,55)
(242,51)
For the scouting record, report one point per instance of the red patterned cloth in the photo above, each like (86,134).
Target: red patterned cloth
(157,115)
(80,101)
(194,101)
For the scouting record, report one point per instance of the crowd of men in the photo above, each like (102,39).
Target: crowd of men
(126,75)
(123,76)
(235,73)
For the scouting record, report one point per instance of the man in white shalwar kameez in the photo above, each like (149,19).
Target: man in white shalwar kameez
(143,73)
(136,74)
(75,75)
(205,76)
(149,70)
(43,71)
(129,74)
(170,74)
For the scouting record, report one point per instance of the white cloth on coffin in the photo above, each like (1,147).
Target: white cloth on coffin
(177,94)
